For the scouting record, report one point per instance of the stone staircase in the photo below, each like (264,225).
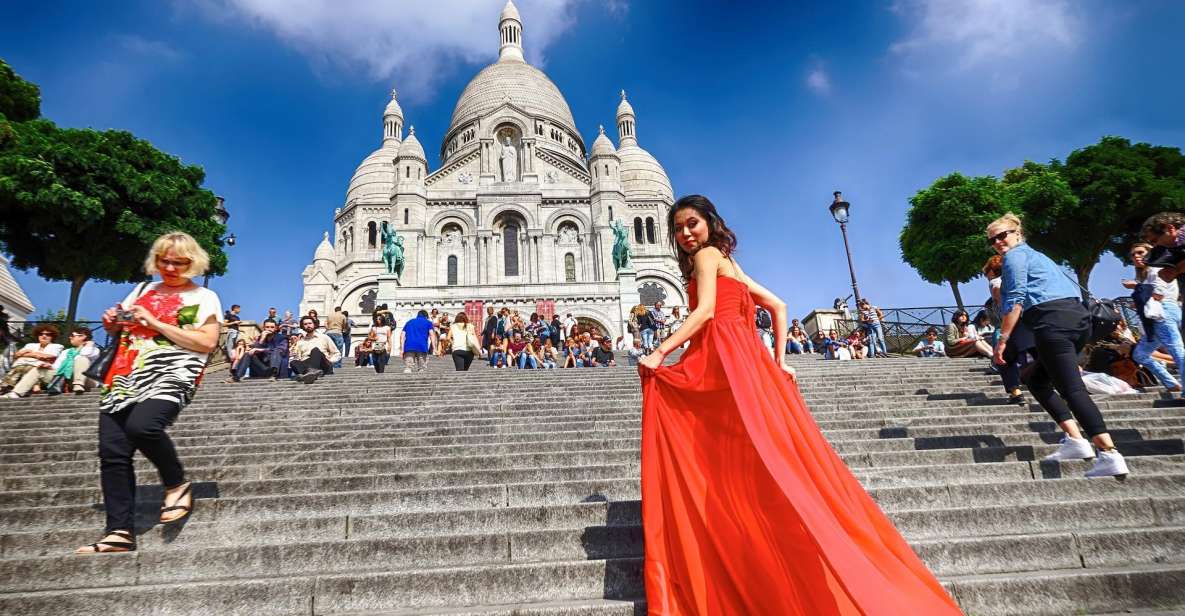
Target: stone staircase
(515,492)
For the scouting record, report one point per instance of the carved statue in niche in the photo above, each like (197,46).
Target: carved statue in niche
(567,234)
(452,235)
(508,159)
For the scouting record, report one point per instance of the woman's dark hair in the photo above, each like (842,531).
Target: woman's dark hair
(83,330)
(954,318)
(461,318)
(380,320)
(982,318)
(719,235)
(53,331)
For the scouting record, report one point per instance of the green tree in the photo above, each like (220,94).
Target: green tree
(80,204)
(1117,184)
(943,238)
(19,99)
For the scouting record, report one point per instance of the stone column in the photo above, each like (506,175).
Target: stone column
(627,285)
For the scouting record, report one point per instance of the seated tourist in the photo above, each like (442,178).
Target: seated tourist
(266,355)
(930,345)
(856,345)
(983,327)
(962,339)
(572,354)
(832,345)
(602,355)
(32,366)
(314,353)
(238,353)
(636,353)
(549,354)
(532,355)
(515,348)
(71,364)
(362,353)
(498,352)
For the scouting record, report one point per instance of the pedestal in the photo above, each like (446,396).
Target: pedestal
(627,284)
(388,291)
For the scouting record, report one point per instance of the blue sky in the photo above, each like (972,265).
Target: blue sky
(764,107)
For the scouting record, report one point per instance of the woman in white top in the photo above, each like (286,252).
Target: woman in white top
(380,343)
(164,333)
(33,363)
(462,339)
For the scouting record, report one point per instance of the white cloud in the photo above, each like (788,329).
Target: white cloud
(408,44)
(141,46)
(965,34)
(819,81)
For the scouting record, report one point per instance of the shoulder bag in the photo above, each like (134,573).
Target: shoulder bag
(1104,313)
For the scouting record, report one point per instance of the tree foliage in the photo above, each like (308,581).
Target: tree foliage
(943,238)
(80,204)
(19,99)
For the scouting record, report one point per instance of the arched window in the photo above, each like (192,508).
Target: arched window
(610,212)
(569,268)
(372,235)
(638,231)
(452,270)
(405,215)
(510,247)
(650,231)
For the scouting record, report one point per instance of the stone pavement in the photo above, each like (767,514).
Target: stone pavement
(512,492)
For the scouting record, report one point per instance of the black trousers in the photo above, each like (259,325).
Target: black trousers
(1060,329)
(140,427)
(380,361)
(316,361)
(462,359)
(1016,356)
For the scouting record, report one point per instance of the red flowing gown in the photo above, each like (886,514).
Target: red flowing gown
(746,508)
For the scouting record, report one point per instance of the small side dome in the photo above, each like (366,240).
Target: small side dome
(509,12)
(624,108)
(642,177)
(393,108)
(602,146)
(411,147)
(324,250)
(375,177)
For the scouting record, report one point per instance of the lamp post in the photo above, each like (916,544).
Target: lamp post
(221,215)
(839,211)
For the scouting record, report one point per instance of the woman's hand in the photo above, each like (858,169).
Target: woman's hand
(651,361)
(998,358)
(144,317)
(788,369)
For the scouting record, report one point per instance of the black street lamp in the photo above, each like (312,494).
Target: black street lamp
(221,215)
(839,211)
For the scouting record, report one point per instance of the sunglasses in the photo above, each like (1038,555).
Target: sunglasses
(999,237)
(45,334)
(178,263)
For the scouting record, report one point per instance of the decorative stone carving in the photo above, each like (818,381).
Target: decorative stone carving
(551,177)
(568,233)
(465,177)
(508,160)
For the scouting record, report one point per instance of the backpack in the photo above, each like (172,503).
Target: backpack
(764,321)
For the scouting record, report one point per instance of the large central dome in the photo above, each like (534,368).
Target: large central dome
(517,82)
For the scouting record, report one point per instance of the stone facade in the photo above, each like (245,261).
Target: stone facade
(517,213)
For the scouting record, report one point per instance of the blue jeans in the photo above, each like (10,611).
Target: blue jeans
(1166,333)
(526,360)
(876,338)
(341,348)
(648,338)
(794,347)
(496,357)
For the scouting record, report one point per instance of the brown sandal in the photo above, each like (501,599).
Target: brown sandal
(110,547)
(187,509)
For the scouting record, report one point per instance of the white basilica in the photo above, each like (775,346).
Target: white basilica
(518,213)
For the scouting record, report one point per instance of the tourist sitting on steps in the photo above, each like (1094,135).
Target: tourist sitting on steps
(550,355)
(71,364)
(962,339)
(930,345)
(34,363)
(498,352)
(265,355)
(602,355)
(314,354)
(1038,291)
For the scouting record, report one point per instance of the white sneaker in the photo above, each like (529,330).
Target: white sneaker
(1072,449)
(12,395)
(407,370)
(1108,464)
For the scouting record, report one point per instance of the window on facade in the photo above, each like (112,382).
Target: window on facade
(510,247)
(650,237)
(610,212)
(638,231)
(569,267)
(372,235)
(405,215)
(452,270)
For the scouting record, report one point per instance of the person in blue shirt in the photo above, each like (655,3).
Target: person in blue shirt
(414,341)
(930,345)
(1037,291)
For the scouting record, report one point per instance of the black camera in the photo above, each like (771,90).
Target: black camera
(124,316)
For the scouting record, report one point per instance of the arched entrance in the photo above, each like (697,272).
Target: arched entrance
(589,324)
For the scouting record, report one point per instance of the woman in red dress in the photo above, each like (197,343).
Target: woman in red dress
(745,506)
